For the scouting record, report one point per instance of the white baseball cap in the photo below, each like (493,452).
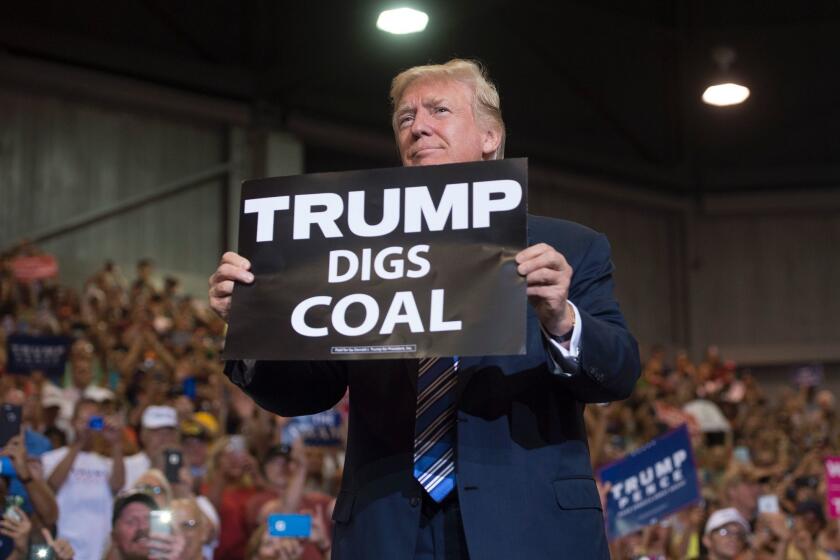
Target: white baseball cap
(98,394)
(724,517)
(51,396)
(155,417)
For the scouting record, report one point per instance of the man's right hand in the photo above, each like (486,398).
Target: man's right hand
(232,268)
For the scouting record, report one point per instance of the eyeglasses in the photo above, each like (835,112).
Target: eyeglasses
(149,489)
(724,532)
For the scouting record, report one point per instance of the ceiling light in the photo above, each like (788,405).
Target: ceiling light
(726,91)
(402,21)
(722,95)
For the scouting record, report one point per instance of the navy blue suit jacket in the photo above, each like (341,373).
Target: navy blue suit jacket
(525,483)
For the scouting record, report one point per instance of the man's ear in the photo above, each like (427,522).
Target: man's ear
(490,140)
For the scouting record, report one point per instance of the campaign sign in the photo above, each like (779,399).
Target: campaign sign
(650,483)
(402,262)
(321,429)
(832,486)
(33,268)
(30,353)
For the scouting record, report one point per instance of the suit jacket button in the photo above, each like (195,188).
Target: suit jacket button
(414,501)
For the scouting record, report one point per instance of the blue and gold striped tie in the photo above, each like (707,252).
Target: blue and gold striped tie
(434,429)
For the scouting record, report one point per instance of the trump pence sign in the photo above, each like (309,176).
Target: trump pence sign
(384,263)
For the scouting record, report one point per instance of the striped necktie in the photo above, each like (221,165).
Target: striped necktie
(434,429)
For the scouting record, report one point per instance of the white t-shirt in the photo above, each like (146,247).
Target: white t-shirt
(84,501)
(135,465)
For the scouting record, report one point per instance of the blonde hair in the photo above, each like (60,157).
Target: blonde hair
(486,103)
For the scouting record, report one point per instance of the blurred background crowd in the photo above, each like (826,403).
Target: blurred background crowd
(145,359)
(144,382)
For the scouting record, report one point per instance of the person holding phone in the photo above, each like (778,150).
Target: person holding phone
(85,481)
(24,448)
(17,531)
(140,531)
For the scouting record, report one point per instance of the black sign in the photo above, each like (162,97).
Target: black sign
(384,263)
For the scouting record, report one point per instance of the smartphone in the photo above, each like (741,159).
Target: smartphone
(289,525)
(40,552)
(172,461)
(9,422)
(160,522)
(768,503)
(96,423)
(7,467)
(189,387)
(9,510)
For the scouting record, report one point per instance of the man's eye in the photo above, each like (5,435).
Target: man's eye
(405,120)
(441,109)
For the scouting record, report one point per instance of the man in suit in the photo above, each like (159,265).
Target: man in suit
(501,470)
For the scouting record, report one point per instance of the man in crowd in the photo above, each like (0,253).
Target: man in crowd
(158,431)
(85,481)
(511,476)
(25,452)
(741,492)
(131,535)
(726,534)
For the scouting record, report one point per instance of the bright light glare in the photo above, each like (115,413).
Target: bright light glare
(402,21)
(42,553)
(166,517)
(722,95)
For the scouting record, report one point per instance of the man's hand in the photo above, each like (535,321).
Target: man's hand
(16,451)
(17,528)
(113,430)
(548,276)
(232,268)
(62,548)
(165,547)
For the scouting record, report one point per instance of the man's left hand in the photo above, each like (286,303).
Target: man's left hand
(548,276)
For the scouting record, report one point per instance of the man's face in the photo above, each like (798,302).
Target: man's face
(131,530)
(189,521)
(277,472)
(156,440)
(726,542)
(82,371)
(436,124)
(744,496)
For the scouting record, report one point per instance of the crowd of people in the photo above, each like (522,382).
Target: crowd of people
(760,460)
(143,448)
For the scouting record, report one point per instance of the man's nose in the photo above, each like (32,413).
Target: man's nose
(420,125)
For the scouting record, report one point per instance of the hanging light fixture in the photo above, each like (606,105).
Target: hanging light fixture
(402,21)
(726,91)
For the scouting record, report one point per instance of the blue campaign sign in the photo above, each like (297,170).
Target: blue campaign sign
(45,353)
(322,429)
(650,483)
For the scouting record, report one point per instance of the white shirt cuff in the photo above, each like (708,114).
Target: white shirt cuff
(574,343)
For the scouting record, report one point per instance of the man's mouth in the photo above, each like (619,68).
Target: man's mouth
(424,151)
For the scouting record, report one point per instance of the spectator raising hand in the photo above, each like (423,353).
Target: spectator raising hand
(61,548)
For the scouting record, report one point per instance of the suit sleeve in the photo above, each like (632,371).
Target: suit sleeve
(290,388)
(608,359)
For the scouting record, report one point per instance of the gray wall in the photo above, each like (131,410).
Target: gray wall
(61,157)
(759,279)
